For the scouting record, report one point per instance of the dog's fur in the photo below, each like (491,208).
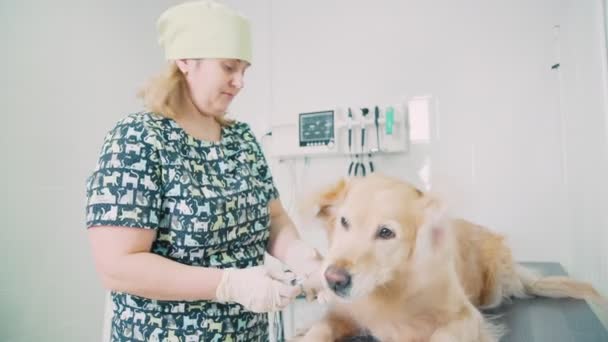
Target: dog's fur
(428,280)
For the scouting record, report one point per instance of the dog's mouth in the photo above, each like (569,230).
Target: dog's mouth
(342,293)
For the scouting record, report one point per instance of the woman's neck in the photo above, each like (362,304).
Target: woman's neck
(199,125)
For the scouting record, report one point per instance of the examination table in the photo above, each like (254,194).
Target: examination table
(544,319)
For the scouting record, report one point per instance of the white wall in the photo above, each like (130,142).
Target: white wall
(511,149)
(585,124)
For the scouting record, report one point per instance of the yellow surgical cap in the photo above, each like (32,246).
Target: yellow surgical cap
(204,29)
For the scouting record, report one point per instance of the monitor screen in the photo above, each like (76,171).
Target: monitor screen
(316,128)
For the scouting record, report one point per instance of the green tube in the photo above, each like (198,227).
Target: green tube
(390,120)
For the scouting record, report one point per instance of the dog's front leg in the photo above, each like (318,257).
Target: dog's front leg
(333,327)
(469,328)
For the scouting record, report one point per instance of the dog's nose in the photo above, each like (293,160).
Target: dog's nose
(337,278)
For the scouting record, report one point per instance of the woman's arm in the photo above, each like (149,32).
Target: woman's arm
(285,244)
(124,261)
(283,232)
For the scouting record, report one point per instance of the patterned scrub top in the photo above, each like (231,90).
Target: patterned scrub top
(208,202)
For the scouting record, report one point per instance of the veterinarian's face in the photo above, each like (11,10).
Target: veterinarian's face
(214,83)
(371,236)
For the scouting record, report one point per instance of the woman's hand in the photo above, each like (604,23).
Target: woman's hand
(258,289)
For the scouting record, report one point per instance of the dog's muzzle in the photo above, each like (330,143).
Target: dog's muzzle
(339,280)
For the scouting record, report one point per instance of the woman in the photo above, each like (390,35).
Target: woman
(182,205)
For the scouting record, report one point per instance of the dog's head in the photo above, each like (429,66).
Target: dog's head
(380,230)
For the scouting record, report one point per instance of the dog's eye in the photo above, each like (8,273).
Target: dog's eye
(385,233)
(344,222)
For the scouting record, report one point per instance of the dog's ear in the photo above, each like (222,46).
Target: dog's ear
(323,204)
(329,199)
(432,226)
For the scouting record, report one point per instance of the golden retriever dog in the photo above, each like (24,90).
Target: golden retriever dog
(403,270)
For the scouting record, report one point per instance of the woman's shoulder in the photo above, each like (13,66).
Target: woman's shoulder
(143,121)
(242,130)
(239,126)
(140,127)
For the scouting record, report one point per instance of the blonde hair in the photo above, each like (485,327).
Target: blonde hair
(167,94)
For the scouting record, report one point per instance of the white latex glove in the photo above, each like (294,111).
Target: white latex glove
(305,262)
(258,289)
